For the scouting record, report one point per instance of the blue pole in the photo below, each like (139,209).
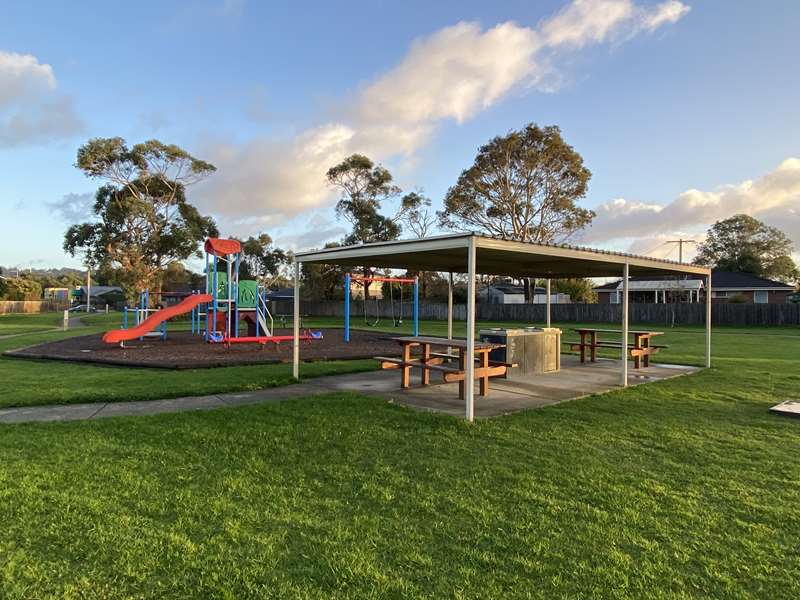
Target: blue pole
(416,306)
(208,307)
(215,293)
(125,317)
(236,297)
(347,307)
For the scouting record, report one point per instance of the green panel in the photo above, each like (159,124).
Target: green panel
(248,292)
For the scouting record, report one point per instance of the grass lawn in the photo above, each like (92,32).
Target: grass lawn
(682,488)
(28,383)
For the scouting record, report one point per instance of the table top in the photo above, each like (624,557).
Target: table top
(630,332)
(440,341)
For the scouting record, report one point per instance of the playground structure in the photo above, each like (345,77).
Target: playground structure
(397,318)
(216,313)
(141,312)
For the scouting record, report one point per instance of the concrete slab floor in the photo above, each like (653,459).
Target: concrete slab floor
(575,380)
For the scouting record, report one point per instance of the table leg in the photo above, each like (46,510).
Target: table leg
(583,346)
(594,346)
(646,344)
(426,356)
(405,371)
(485,378)
(462,390)
(637,344)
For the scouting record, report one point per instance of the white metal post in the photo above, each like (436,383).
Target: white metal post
(708,321)
(296,323)
(469,382)
(88,289)
(624,354)
(66,320)
(547,287)
(450,307)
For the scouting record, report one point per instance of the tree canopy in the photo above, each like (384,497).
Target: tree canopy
(261,260)
(143,221)
(362,187)
(745,244)
(523,186)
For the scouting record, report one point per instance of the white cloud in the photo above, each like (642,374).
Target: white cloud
(667,12)
(31,108)
(774,198)
(74,208)
(452,74)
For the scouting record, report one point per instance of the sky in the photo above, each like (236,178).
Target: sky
(685,111)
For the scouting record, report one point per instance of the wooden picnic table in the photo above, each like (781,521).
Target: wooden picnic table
(434,361)
(640,350)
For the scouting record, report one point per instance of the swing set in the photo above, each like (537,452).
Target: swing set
(397,317)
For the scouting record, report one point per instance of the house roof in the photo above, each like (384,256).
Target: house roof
(101,290)
(720,280)
(494,256)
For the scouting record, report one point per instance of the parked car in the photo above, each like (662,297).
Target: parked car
(793,298)
(82,308)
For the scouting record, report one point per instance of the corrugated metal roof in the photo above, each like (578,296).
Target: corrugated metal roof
(495,256)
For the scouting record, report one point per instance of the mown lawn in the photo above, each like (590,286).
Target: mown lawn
(682,488)
(27,383)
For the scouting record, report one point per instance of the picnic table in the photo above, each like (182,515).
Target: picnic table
(429,360)
(640,350)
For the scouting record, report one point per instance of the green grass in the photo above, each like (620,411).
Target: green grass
(29,383)
(685,488)
(14,324)
(681,489)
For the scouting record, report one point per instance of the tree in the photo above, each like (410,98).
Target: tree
(579,289)
(261,260)
(417,215)
(143,220)
(523,186)
(323,282)
(23,288)
(362,187)
(745,244)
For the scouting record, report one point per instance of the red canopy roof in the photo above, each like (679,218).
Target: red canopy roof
(221,247)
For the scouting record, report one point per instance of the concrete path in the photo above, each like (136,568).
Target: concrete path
(506,396)
(99,410)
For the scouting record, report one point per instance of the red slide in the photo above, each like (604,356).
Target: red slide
(154,320)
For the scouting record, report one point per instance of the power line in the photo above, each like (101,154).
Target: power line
(680,243)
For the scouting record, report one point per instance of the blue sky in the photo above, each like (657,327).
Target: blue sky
(685,112)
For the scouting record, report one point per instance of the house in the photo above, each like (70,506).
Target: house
(101,294)
(506,292)
(726,286)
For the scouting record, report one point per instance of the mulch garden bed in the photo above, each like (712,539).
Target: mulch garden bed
(182,350)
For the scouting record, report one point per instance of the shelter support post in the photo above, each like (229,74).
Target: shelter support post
(347,307)
(548,302)
(416,306)
(450,306)
(624,353)
(708,321)
(296,324)
(469,381)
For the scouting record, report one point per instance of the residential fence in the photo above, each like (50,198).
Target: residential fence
(31,306)
(651,314)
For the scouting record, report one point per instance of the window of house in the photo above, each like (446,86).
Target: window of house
(761,297)
(719,294)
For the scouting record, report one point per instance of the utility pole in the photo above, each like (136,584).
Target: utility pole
(680,243)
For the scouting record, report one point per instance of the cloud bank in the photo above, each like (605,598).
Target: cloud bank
(32,110)
(450,75)
(774,198)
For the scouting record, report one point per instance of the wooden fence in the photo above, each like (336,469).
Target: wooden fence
(664,315)
(31,306)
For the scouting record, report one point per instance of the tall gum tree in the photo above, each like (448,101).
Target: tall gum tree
(142,221)
(523,186)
